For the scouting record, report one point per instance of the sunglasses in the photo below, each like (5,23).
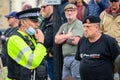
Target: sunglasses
(34,20)
(44,6)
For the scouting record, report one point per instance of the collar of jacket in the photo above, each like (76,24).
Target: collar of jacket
(50,18)
(108,10)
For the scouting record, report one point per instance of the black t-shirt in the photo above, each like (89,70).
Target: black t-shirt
(97,58)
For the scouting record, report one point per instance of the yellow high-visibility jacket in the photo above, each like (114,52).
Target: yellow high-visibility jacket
(20,51)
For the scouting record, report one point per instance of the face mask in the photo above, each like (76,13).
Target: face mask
(30,31)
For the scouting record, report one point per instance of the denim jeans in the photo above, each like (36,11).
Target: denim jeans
(50,67)
(71,67)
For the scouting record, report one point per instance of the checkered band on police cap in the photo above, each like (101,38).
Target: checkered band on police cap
(32,13)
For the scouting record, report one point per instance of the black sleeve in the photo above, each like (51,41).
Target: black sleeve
(113,46)
(115,49)
(77,56)
(48,41)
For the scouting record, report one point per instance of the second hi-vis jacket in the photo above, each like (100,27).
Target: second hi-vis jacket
(21,53)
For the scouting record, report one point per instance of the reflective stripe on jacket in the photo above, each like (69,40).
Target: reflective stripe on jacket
(19,51)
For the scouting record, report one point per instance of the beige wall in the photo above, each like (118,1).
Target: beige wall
(4,9)
(15,6)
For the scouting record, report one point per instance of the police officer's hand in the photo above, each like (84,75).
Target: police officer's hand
(39,36)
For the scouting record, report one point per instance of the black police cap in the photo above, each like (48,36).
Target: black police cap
(32,13)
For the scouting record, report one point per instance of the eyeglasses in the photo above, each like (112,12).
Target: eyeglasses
(34,20)
(87,25)
(70,10)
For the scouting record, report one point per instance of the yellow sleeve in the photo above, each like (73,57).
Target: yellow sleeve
(19,51)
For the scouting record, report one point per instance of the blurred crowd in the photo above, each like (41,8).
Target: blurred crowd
(89,35)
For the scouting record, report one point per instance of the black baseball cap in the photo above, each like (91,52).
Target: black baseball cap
(92,19)
(114,0)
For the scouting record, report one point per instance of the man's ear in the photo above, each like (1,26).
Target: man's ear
(87,21)
(23,22)
(97,26)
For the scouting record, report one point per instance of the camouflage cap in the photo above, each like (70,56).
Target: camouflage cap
(70,6)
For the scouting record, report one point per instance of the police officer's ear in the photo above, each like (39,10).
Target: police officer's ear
(23,22)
